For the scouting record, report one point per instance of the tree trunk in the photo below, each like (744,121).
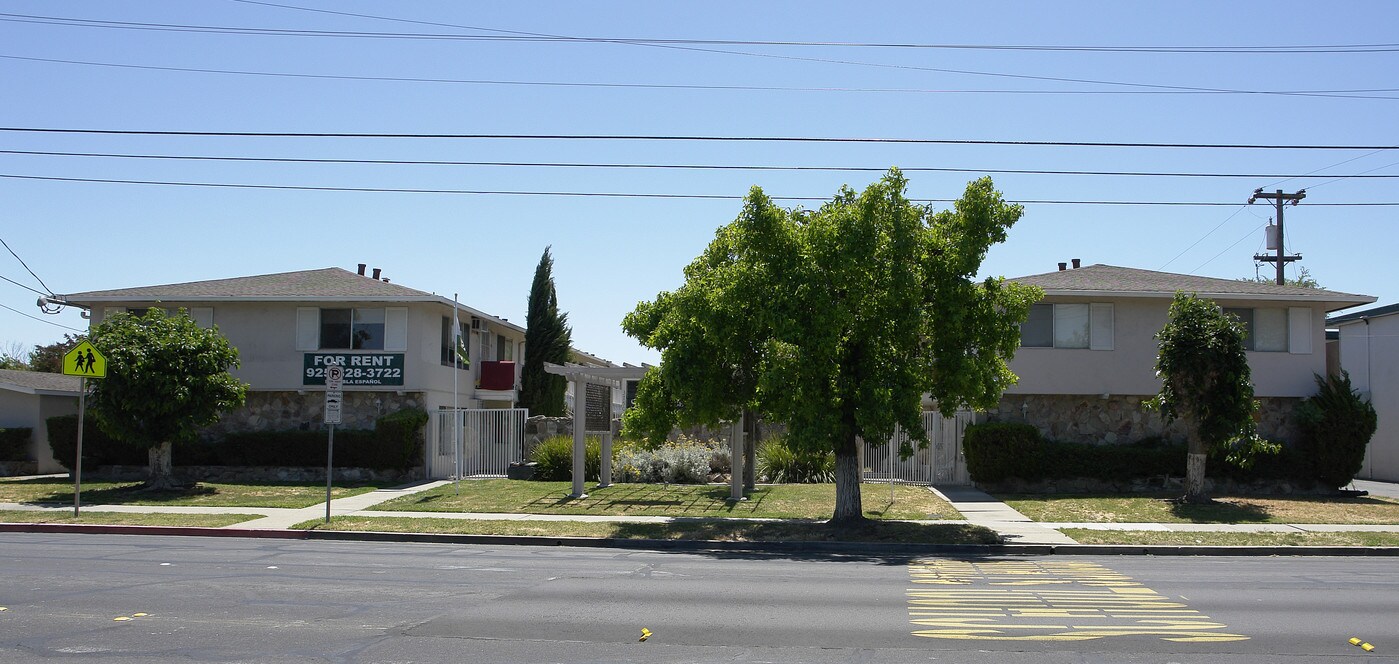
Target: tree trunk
(849,511)
(750,450)
(161,475)
(1195,471)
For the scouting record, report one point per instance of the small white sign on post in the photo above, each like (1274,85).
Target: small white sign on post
(334,378)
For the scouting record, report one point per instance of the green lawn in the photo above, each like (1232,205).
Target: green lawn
(780,501)
(1083,536)
(1149,509)
(204,494)
(717,530)
(124,519)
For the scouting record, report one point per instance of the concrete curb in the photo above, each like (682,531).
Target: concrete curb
(774,548)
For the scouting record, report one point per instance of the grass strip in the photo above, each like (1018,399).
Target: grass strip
(126,519)
(1367,510)
(1084,536)
(717,530)
(202,494)
(777,501)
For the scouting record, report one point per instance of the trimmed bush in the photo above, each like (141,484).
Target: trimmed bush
(996,451)
(1336,425)
(781,464)
(14,444)
(686,461)
(554,459)
(98,448)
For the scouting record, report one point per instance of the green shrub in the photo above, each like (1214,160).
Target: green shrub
(1336,425)
(780,463)
(685,461)
(553,458)
(14,444)
(98,448)
(999,450)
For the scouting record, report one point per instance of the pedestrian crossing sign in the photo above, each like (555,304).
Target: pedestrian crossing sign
(85,361)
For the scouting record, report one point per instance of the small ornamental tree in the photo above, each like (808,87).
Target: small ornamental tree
(547,339)
(49,358)
(837,322)
(1337,424)
(1205,381)
(166,378)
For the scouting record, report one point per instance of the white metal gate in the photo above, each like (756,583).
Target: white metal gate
(490,439)
(941,462)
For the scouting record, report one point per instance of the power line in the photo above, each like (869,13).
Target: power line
(599,194)
(680,138)
(699,167)
(1361,93)
(1202,237)
(26,266)
(28,288)
(40,319)
(941,70)
(511,35)
(1221,253)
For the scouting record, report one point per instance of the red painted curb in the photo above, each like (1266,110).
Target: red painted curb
(182,531)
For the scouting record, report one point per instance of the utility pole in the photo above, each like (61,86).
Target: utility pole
(1279,199)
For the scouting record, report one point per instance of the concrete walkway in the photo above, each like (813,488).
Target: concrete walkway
(978,507)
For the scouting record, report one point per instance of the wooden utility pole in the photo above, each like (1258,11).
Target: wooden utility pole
(1279,199)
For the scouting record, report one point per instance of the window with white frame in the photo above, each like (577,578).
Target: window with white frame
(1266,328)
(1069,325)
(357,328)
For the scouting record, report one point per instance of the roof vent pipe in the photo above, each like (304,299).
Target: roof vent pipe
(361,269)
(386,280)
(376,272)
(1063,266)
(1077,264)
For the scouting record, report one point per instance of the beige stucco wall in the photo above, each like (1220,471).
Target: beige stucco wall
(1129,369)
(1370,353)
(18,409)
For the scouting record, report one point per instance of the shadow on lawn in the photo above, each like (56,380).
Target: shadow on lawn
(666,499)
(124,494)
(1221,511)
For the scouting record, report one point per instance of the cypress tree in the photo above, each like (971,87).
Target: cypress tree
(547,339)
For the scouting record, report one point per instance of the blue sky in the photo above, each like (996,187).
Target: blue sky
(612,252)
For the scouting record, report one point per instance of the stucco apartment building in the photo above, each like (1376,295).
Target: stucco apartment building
(1369,352)
(395,342)
(1088,353)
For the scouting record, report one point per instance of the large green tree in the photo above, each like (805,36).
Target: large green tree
(49,358)
(836,321)
(1206,382)
(547,339)
(166,378)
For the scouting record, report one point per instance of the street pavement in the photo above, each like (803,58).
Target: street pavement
(119,598)
(976,506)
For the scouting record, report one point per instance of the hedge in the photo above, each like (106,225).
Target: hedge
(14,444)
(394,443)
(997,451)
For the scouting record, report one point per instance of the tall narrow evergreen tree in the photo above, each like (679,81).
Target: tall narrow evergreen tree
(547,339)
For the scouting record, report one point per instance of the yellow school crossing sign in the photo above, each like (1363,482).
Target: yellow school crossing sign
(85,361)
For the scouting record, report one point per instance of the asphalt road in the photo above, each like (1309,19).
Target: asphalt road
(247,600)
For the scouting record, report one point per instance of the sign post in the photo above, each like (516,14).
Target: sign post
(84,362)
(334,397)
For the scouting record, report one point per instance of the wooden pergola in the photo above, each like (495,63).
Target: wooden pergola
(615,377)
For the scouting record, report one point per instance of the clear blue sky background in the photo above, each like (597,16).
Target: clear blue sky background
(612,252)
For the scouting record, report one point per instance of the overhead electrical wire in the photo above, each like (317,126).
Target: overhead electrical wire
(695,138)
(700,167)
(600,194)
(1357,93)
(24,286)
(943,70)
(40,319)
(26,266)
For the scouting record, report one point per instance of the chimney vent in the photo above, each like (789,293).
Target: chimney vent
(361,269)
(386,280)
(1077,264)
(1063,266)
(377,271)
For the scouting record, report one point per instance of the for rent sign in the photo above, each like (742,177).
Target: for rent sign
(360,368)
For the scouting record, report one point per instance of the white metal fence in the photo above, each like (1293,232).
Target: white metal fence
(489,440)
(939,463)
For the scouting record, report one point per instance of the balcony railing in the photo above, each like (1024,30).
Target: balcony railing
(497,376)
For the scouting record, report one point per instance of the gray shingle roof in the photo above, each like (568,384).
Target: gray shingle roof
(331,282)
(37,381)
(1132,281)
(1376,312)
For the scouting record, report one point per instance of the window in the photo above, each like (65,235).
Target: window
(1068,326)
(1266,328)
(357,329)
(449,357)
(504,349)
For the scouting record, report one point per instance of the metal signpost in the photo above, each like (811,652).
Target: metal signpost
(334,378)
(84,362)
